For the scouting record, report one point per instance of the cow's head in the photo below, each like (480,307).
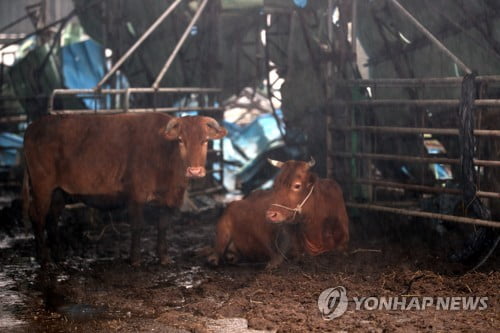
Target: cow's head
(193,134)
(292,190)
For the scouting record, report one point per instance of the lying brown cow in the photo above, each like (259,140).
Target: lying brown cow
(298,195)
(110,161)
(244,234)
(317,204)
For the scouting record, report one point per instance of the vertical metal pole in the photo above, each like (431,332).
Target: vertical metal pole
(468,147)
(126,100)
(354,32)
(43,14)
(170,59)
(329,117)
(1,73)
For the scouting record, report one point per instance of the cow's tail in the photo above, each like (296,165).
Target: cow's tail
(26,196)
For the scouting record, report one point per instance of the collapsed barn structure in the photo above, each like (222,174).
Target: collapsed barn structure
(395,99)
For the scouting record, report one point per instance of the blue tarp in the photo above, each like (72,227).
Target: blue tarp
(256,137)
(300,3)
(243,145)
(83,67)
(8,157)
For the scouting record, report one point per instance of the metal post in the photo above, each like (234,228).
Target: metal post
(354,23)
(141,39)
(329,70)
(126,105)
(170,59)
(429,35)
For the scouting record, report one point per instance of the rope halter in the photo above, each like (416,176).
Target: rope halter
(298,209)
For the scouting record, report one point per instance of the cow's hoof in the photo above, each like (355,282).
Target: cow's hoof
(166,260)
(135,262)
(274,263)
(213,260)
(271,266)
(48,266)
(232,258)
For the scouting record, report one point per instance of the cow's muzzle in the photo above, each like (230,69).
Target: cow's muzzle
(274,216)
(195,172)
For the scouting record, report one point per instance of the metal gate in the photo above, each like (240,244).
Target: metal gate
(354,146)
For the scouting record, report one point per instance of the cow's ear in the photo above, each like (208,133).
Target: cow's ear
(313,178)
(275,163)
(215,131)
(172,130)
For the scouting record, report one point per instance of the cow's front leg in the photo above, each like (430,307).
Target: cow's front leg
(136,217)
(281,248)
(161,246)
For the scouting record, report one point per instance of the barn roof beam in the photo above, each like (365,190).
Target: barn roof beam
(177,48)
(139,41)
(431,37)
(446,31)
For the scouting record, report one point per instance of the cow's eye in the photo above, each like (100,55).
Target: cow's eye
(180,140)
(297,186)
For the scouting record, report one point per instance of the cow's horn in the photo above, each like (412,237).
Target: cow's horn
(311,163)
(275,163)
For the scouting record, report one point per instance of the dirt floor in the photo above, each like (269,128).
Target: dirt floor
(96,290)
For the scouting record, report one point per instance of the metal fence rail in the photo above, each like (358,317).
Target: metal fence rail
(414,130)
(348,152)
(414,159)
(410,212)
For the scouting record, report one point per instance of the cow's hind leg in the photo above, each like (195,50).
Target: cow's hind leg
(38,212)
(52,221)
(222,240)
(341,231)
(161,246)
(232,256)
(136,218)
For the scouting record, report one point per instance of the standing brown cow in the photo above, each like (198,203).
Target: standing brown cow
(319,215)
(317,204)
(110,161)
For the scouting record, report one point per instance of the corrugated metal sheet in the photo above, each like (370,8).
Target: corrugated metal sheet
(10,10)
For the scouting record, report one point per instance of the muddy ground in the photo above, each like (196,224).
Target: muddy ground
(96,290)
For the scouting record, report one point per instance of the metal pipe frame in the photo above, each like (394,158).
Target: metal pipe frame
(416,213)
(139,41)
(415,102)
(13,119)
(145,90)
(172,56)
(135,90)
(429,35)
(409,82)
(415,130)
(416,159)
(423,188)
(137,110)
(207,191)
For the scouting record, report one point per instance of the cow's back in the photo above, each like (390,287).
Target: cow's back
(98,155)
(250,232)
